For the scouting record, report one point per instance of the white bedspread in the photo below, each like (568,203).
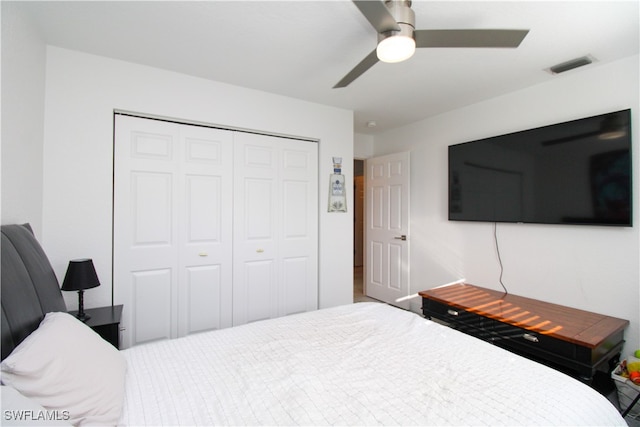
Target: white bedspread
(360,364)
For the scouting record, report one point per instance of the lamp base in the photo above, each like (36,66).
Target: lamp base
(83,317)
(81,314)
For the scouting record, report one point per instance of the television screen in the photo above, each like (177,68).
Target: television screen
(576,172)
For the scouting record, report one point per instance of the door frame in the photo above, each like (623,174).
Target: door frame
(363,266)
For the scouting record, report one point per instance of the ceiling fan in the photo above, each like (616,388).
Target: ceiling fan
(394,20)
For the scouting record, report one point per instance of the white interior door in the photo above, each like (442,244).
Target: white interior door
(275,227)
(172,228)
(387,228)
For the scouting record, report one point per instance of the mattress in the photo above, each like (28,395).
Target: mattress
(358,364)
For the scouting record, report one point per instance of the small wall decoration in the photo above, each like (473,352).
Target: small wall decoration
(337,188)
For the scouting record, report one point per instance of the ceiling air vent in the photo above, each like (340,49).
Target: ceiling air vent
(570,65)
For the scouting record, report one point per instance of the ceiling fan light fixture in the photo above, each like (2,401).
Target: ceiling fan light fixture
(398,44)
(396,48)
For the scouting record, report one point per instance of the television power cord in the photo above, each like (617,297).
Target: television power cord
(495,238)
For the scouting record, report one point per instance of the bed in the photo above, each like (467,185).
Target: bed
(358,364)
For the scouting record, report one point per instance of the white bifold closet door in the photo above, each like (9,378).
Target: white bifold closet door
(212,228)
(275,227)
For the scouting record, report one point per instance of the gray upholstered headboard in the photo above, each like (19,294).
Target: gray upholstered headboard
(29,286)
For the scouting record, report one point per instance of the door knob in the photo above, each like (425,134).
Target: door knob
(403,237)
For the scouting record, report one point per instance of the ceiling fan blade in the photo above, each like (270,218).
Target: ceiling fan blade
(378,15)
(469,38)
(368,62)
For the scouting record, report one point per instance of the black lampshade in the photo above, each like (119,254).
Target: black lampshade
(80,275)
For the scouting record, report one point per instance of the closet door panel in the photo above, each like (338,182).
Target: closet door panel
(258,210)
(203,211)
(203,287)
(260,291)
(205,265)
(298,240)
(172,198)
(296,197)
(295,271)
(157,144)
(276,224)
(151,200)
(152,304)
(145,228)
(256,221)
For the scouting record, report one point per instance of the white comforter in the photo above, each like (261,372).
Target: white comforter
(360,364)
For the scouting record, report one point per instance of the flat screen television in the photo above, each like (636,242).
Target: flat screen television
(576,172)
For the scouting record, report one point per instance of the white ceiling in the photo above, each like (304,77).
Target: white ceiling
(301,48)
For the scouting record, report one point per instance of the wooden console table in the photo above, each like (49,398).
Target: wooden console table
(572,340)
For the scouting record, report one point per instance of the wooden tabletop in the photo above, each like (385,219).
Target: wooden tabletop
(569,324)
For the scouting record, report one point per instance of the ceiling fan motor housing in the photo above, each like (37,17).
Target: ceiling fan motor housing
(404,16)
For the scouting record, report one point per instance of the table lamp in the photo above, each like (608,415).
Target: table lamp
(80,275)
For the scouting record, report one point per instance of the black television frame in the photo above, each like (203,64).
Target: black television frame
(582,130)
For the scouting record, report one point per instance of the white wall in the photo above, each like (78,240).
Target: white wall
(588,267)
(362,146)
(23,76)
(81,93)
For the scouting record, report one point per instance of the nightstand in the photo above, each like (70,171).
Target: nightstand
(105,321)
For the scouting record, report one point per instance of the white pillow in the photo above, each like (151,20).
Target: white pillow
(65,366)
